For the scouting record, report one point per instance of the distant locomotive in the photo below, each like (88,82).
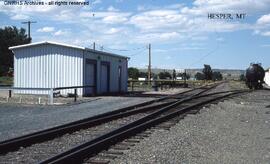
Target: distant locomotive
(255,76)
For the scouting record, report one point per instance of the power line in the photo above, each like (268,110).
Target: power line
(149,65)
(209,53)
(114,49)
(138,53)
(142,49)
(139,48)
(206,55)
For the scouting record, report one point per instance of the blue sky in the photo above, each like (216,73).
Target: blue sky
(180,32)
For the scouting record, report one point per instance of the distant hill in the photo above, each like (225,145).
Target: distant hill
(226,73)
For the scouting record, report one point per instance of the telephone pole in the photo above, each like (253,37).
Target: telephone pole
(149,65)
(94,46)
(29,27)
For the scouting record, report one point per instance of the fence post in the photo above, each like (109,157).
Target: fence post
(51,96)
(9,93)
(75,94)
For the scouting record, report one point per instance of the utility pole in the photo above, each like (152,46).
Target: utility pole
(185,78)
(29,27)
(149,65)
(94,46)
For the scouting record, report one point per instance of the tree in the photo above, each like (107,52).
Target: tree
(242,77)
(143,74)
(182,75)
(164,75)
(199,76)
(133,73)
(217,76)
(207,72)
(174,74)
(187,76)
(10,36)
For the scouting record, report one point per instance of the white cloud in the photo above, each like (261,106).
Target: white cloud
(141,8)
(97,2)
(232,6)
(26,9)
(168,57)
(198,38)
(191,48)
(114,19)
(111,8)
(156,24)
(49,12)
(220,39)
(113,31)
(262,32)
(266,33)
(60,32)
(156,37)
(158,20)
(169,20)
(265,45)
(86,14)
(169,35)
(19,17)
(265,19)
(262,26)
(175,6)
(119,1)
(46,29)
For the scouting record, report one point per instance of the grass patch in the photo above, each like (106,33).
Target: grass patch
(237,85)
(6,80)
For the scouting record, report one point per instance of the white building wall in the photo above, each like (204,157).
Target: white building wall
(267,77)
(48,66)
(51,66)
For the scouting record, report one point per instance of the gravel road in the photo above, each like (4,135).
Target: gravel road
(16,119)
(233,131)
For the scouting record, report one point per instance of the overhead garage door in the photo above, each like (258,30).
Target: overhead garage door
(105,77)
(90,77)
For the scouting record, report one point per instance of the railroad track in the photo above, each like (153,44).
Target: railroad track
(47,142)
(86,150)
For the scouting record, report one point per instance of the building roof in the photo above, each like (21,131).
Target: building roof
(65,45)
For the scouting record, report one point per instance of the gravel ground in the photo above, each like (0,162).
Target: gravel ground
(16,119)
(233,131)
(43,99)
(220,88)
(169,91)
(39,152)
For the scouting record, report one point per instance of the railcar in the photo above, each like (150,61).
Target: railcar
(255,76)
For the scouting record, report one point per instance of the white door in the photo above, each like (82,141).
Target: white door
(90,78)
(104,80)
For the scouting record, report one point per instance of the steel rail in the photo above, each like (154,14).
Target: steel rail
(47,134)
(79,153)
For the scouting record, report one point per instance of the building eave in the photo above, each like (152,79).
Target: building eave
(66,45)
(45,42)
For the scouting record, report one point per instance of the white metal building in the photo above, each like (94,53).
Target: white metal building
(52,65)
